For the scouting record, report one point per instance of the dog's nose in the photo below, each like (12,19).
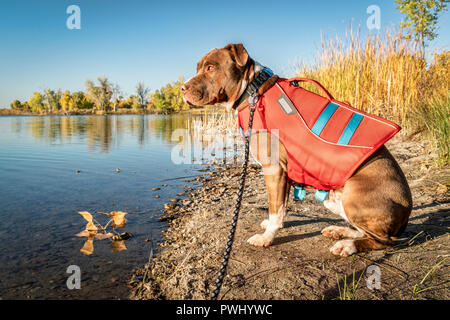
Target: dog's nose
(184,87)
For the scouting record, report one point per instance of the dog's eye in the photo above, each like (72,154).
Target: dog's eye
(209,68)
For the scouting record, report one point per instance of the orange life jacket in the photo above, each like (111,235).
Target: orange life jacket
(326,140)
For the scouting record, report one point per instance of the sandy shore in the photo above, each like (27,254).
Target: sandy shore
(299,265)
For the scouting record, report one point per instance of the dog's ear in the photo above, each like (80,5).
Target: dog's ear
(239,54)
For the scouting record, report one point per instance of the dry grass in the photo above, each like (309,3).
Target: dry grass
(213,124)
(214,136)
(220,121)
(386,75)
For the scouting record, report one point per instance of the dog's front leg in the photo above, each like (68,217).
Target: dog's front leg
(277,184)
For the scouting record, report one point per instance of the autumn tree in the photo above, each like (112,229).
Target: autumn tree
(150,104)
(135,102)
(36,102)
(176,96)
(66,101)
(100,95)
(142,92)
(25,106)
(51,99)
(124,103)
(169,97)
(421,17)
(16,104)
(81,100)
(159,101)
(115,95)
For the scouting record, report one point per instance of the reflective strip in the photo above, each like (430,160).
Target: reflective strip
(324,117)
(350,129)
(242,132)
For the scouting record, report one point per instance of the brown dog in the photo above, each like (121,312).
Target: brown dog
(376,200)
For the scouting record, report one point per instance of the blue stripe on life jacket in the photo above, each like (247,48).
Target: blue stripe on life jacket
(324,117)
(350,129)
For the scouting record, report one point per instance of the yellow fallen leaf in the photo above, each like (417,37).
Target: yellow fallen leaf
(86,215)
(118,218)
(83,233)
(117,246)
(88,247)
(97,236)
(90,227)
(101,236)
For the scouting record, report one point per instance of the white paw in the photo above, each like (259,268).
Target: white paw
(334,232)
(344,248)
(264,224)
(328,204)
(260,240)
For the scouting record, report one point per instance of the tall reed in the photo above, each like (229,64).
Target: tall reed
(385,74)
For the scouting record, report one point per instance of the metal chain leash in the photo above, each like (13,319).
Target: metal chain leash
(237,207)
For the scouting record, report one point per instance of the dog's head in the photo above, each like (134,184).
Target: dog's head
(222,76)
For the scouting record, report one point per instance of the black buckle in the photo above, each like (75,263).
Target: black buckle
(295,83)
(252,89)
(262,77)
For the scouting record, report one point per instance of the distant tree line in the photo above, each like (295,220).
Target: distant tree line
(168,98)
(105,96)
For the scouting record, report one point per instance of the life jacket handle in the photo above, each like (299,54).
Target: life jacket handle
(317,84)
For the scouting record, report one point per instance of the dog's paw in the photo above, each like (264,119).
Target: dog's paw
(264,224)
(344,248)
(334,232)
(260,240)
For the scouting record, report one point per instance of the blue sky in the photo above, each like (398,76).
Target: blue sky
(157,41)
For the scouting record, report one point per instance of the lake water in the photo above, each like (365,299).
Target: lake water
(51,167)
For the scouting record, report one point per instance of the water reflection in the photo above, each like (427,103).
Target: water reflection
(95,230)
(100,133)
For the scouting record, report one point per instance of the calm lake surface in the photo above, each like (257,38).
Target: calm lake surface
(51,167)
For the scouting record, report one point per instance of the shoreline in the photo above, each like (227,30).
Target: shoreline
(298,265)
(13,112)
